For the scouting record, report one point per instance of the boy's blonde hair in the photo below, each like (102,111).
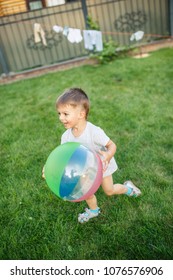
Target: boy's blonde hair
(74,97)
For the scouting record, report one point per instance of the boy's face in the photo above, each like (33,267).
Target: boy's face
(70,115)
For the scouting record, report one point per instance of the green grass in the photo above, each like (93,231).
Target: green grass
(131,99)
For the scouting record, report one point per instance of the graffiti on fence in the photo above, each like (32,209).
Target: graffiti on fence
(130,22)
(51,39)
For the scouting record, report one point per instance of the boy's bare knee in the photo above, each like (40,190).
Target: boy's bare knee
(108,192)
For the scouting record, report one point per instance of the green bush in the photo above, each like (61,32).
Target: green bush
(108,53)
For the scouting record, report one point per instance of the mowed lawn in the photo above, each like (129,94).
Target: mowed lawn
(132,100)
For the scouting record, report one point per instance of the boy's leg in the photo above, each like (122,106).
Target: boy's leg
(127,188)
(92,202)
(110,188)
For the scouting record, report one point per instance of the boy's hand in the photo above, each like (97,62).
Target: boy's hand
(43,176)
(105,159)
(108,154)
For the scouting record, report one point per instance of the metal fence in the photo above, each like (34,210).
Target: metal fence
(118,19)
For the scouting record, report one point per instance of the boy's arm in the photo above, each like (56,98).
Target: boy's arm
(107,155)
(111,149)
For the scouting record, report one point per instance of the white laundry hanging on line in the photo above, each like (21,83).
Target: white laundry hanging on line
(57,28)
(74,35)
(93,39)
(65,31)
(39,34)
(137,36)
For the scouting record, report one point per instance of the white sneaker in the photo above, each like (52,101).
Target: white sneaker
(134,190)
(87,215)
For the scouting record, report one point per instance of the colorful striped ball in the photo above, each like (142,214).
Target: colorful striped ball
(73,172)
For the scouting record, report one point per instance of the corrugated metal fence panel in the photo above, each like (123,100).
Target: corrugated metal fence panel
(17,33)
(117,19)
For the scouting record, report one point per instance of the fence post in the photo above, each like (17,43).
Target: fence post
(171,16)
(3,63)
(85,12)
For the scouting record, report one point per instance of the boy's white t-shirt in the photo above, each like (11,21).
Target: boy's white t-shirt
(95,139)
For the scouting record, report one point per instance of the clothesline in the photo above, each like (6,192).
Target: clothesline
(116,32)
(92,38)
(130,33)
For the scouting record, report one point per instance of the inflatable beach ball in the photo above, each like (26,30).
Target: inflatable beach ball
(73,172)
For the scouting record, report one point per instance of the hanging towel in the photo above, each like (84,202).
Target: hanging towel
(93,39)
(74,35)
(39,34)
